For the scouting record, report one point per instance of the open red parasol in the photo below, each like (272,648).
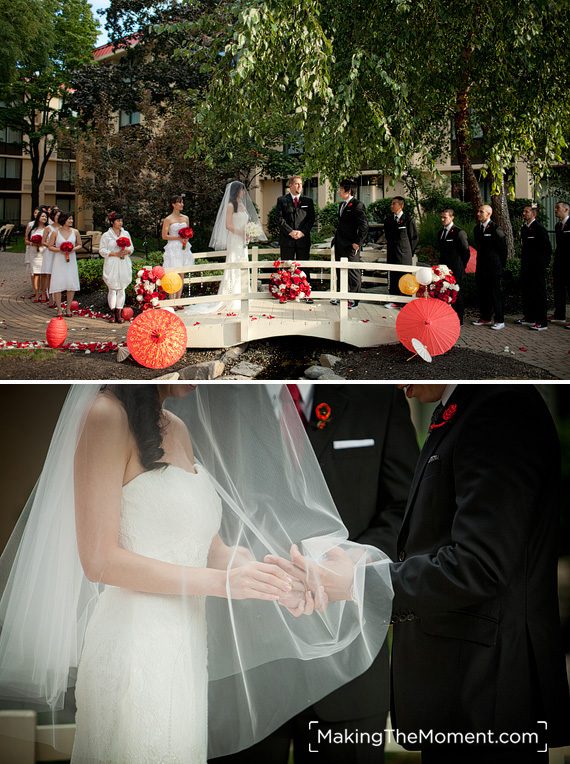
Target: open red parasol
(157,339)
(472,263)
(433,322)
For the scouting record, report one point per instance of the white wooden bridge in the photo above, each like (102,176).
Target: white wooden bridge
(262,316)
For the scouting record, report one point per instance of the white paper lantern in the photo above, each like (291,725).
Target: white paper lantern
(424,276)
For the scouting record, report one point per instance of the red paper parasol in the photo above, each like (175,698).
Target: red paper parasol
(472,264)
(157,339)
(433,322)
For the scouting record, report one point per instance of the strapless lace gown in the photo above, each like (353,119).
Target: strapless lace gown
(142,681)
(174,255)
(231,280)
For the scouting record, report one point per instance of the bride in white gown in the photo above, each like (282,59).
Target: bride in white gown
(126,535)
(230,234)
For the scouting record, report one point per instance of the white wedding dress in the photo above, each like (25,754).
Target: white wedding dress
(231,279)
(142,681)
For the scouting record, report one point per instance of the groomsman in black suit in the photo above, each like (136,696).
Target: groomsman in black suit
(561,267)
(453,248)
(402,239)
(477,644)
(491,246)
(536,251)
(350,234)
(296,217)
(368,452)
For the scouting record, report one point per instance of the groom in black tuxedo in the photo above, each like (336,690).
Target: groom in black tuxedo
(454,252)
(367,451)
(295,217)
(477,643)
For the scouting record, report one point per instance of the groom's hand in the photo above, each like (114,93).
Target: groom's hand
(335,577)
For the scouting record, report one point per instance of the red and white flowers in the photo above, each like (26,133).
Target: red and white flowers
(289,282)
(147,289)
(443,287)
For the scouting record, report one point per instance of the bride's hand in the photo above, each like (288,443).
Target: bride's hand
(306,603)
(258,580)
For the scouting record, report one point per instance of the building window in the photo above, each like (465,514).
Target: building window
(10,174)
(65,203)
(65,176)
(9,209)
(10,141)
(129,118)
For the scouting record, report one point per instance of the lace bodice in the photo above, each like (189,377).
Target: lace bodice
(170,514)
(239,220)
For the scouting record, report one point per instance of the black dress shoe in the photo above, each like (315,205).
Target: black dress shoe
(352,304)
(309,301)
(335,302)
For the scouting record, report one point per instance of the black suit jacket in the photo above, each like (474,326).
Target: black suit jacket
(562,240)
(352,225)
(454,250)
(291,219)
(370,487)
(477,643)
(536,247)
(491,249)
(401,238)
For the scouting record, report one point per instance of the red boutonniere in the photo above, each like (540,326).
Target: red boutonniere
(349,205)
(322,412)
(448,414)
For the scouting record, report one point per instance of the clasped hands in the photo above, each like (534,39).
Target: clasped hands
(315,584)
(296,234)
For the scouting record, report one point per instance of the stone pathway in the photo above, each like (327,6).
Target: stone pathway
(23,320)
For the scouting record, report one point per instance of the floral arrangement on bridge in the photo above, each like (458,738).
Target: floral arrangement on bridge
(185,233)
(443,287)
(289,282)
(147,289)
(36,241)
(66,247)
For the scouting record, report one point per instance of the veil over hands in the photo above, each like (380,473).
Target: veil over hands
(264,664)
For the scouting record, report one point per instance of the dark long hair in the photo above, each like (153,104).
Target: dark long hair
(37,219)
(235,189)
(146,420)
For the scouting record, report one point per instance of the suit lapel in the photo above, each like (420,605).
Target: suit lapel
(460,398)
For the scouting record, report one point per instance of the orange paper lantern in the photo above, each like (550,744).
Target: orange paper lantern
(408,284)
(56,332)
(171,282)
(158,271)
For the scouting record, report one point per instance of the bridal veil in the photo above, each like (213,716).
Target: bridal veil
(264,665)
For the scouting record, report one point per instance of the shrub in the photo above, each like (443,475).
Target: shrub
(91,274)
(272,225)
(328,219)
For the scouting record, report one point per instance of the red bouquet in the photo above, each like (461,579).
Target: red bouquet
(289,282)
(66,247)
(123,242)
(36,240)
(185,233)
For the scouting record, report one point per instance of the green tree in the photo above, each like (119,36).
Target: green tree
(22,24)
(35,99)
(378,82)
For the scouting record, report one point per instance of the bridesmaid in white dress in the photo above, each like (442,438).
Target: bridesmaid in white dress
(177,251)
(147,521)
(37,253)
(118,269)
(53,225)
(29,251)
(64,275)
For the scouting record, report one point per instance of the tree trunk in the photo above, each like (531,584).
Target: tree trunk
(462,132)
(501,213)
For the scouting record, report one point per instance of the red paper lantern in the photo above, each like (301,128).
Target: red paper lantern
(74,305)
(127,313)
(158,271)
(56,332)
